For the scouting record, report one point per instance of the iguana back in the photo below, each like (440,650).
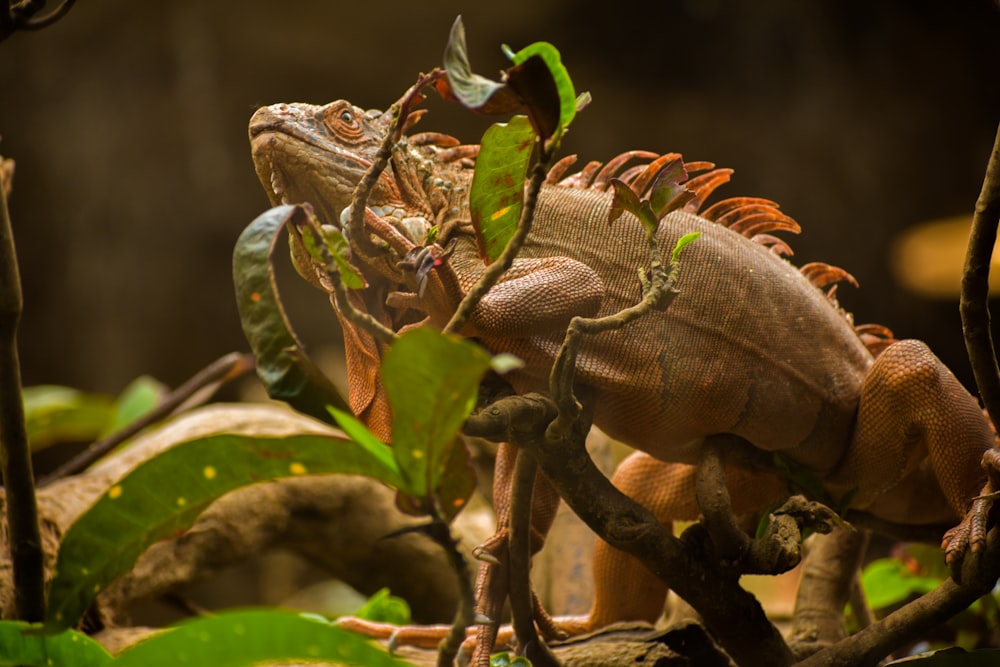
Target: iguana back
(750,346)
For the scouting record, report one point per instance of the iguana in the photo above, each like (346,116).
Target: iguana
(751,346)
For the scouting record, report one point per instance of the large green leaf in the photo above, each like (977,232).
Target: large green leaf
(163,496)
(20,645)
(61,414)
(497,190)
(282,365)
(432,381)
(249,637)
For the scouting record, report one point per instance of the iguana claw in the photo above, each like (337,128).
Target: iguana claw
(969,536)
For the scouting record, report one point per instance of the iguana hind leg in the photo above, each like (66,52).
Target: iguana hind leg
(916,426)
(624,589)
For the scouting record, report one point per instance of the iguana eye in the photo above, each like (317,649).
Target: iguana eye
(343,121)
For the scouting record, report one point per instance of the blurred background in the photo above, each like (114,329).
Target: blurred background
(128,124)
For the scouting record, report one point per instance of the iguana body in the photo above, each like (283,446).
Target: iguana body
(749,347)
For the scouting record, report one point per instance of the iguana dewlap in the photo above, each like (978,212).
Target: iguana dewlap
(749,347)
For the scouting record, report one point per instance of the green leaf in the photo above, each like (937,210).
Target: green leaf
(163,496)
(139,398)
(497,190)
(364,438)
(560,78)
(242,638)
(22,644)
(282,365)
(326,245)
(432,381)
(385,608)
(470,89)
(682,243)
(505,660)
(534,85)
(56,414)
(888,582)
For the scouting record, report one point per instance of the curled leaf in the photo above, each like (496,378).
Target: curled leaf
(468,88)
(282,365)
(560,80)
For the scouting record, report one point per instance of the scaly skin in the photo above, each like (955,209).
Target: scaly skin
(750,346)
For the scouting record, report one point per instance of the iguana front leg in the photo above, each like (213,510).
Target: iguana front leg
(535,297)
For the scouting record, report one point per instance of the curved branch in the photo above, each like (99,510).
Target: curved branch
(48,19)
(495,271)
(15,457)
(974,305)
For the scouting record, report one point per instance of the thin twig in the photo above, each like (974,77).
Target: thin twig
(974,305)
(221,370)
(519,547)
(15,456)
(360,240)
(19,16)
(359,318)
(519,566)
(465,615)
(658,294)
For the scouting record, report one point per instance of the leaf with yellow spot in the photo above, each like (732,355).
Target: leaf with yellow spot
(497,192)
(282,364)
(258,636)
(163,496)
(432,381)
(22,644)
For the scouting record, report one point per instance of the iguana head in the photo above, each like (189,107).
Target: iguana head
(305,153)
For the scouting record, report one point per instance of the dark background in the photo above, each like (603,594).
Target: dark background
(128,124)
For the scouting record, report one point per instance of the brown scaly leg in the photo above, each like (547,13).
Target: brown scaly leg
(913,412)
(624,589)
(491,583)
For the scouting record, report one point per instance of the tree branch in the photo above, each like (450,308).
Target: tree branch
(733,615)
(15,457)
(974,304)
(869,645)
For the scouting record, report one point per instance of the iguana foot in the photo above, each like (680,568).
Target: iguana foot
(969,536)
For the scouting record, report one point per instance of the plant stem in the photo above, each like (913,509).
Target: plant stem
(15,457)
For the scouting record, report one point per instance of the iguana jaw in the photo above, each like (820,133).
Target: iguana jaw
(305,153)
